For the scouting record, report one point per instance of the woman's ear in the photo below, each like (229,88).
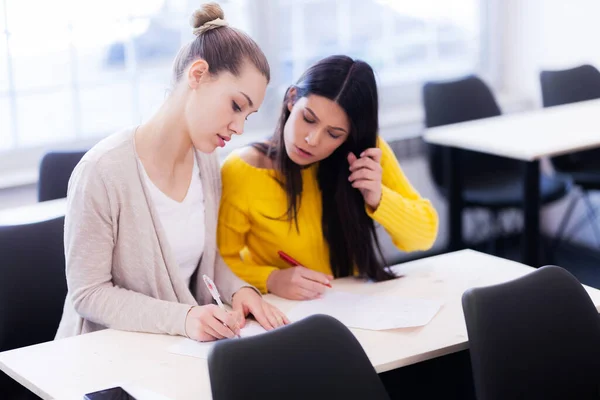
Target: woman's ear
(290,97)
(197,73)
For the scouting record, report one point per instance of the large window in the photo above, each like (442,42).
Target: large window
(77,70)
(404,41)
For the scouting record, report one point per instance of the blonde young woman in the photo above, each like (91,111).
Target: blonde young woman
(140,228)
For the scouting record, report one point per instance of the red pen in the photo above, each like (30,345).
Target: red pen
(293,262)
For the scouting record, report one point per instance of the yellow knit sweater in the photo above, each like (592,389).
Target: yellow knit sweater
(251,232)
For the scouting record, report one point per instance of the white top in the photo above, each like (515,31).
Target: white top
(90,362)
(182,222)
(526,136)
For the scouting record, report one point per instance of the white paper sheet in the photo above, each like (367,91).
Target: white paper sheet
(192,348)
(369,311)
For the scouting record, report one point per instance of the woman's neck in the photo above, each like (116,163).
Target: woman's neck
(164,140)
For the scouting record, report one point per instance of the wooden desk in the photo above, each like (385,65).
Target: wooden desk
(527,137)
(36,212)
(69,368)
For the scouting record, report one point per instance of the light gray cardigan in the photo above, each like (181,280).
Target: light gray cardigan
(121,273)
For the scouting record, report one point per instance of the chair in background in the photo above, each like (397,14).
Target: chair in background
(315,358)
(570,86)
(489,182)
(33,288)
(536,337)
(55,170)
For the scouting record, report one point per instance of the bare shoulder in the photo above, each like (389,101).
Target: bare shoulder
(255,158)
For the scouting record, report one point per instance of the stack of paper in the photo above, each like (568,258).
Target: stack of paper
(369,311)
(192,348)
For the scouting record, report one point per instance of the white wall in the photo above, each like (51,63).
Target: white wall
(548,34)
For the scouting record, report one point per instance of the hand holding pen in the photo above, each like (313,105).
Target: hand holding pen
(297,282)
(211,322)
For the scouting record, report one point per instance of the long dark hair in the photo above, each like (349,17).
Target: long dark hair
(348,230)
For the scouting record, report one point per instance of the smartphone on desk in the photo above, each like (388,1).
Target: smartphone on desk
(116,393)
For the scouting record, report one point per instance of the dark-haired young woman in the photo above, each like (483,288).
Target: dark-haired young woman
(315,189)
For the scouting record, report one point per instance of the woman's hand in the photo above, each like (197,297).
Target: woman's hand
(365,175)
(210,322)
(247,301)
(298,283)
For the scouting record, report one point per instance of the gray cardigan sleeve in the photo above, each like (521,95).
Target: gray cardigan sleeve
(90,232)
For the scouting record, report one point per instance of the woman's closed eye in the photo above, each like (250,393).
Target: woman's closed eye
(310,121)
(333,135)
(235,107)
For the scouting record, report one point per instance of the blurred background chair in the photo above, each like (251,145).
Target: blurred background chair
(55,170)
(315,358)
(33,288)
(536,337)
(570,86)
(489,182)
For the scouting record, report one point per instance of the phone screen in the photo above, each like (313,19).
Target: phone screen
(116,393)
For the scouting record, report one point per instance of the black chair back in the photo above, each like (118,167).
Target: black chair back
(55,171)
(33,288)
(458,101)
(536,337)
(315,358)
(571,86)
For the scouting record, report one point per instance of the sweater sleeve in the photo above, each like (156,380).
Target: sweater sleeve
(234,225)
(90,231)
(409,219)
(225,279)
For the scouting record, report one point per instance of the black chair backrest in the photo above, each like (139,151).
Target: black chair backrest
(33,288)
(315,358)
(462,100)
(536,337)
(571,86)
(55,171)
(33,284)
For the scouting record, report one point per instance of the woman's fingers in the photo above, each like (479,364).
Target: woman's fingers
(365,162)
(211,332)
(374,152)
(364,173)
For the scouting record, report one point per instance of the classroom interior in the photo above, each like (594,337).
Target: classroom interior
(491,108)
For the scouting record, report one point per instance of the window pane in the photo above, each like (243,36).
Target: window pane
(6,137)
(45,118)
(3,65)
(100,50)
(106,109)
(285,69)
(153,87)
(3,55)
(320,27)
(156,42)
(39,43)
(404,41)
(456,49)
(365,20)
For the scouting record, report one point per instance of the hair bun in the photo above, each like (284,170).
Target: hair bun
(209,16)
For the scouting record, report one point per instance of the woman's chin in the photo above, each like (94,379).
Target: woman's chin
(298,159)
(205,146)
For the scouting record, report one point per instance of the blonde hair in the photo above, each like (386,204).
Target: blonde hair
(224,48)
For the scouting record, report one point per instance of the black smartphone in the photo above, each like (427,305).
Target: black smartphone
(116,393)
